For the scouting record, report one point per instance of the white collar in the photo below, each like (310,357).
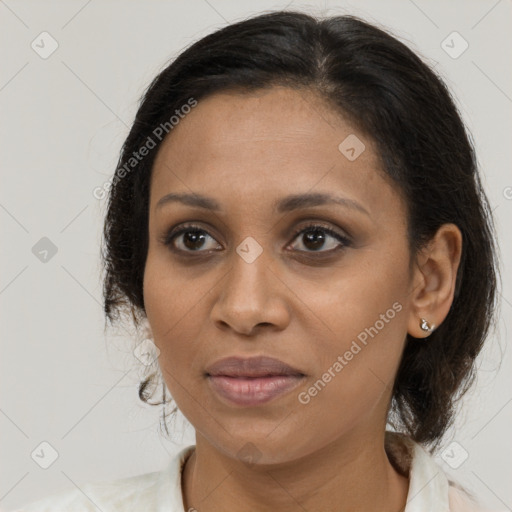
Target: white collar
(428,483)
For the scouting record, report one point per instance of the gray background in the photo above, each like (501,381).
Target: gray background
(64,119)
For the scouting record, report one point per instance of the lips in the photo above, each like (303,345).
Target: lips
(252,381)
(260,366)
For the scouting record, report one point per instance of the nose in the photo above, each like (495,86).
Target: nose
(251,296)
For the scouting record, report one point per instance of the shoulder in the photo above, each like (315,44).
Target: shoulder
(148,491)
(429,485)
(94,496)
(461,501)
(72,501)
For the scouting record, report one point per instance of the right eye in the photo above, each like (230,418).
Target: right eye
(193,240)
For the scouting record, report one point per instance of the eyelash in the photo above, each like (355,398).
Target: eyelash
(169,238)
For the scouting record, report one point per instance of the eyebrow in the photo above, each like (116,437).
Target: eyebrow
(285,204)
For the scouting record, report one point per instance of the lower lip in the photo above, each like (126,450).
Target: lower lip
(253,391)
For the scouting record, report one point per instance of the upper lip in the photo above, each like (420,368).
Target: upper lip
(259,366)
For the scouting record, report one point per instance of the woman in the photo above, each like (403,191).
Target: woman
(298,222)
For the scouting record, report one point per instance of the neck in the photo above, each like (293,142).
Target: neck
(353,473)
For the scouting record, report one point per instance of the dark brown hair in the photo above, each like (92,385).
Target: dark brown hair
(393,97)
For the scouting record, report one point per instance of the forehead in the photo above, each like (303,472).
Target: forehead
(264,145)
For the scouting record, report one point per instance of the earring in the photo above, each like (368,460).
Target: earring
(425,326)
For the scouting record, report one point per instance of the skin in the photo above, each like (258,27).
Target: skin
(247,151)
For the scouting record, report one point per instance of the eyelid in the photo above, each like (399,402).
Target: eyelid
(344,238)
(169,236)
(326,226)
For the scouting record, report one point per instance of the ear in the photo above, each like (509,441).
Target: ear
(434,280)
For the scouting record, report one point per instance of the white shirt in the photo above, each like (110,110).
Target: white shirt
(160,491)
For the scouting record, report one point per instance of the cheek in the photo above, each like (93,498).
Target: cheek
(352,399)
(360,301)
(354,374)
(172,309)
(362,327)
(168,294)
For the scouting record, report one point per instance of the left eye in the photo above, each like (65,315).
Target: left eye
(313,238)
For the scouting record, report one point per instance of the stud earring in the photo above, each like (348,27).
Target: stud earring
(425,326)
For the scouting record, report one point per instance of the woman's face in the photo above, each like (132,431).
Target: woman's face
(244,281)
